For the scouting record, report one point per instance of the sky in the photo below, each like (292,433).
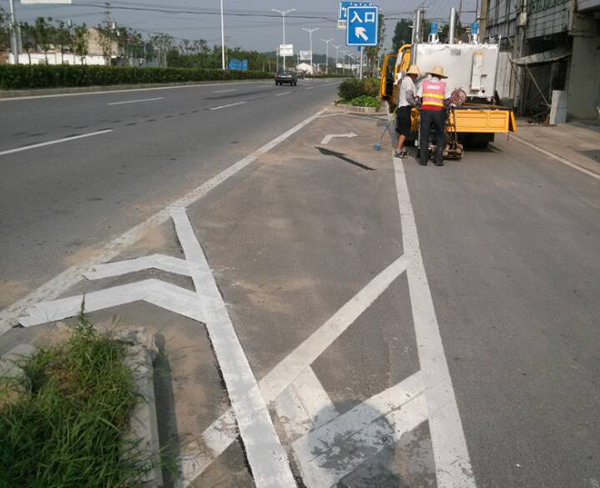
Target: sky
(254,27)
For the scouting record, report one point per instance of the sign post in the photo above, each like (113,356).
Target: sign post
(362,29)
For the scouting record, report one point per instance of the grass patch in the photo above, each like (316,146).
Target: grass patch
(62,423)
(366,101)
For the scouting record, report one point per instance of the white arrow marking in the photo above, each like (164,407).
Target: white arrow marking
(327,139)
(360,32)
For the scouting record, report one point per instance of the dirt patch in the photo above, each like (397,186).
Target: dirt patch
(12,290)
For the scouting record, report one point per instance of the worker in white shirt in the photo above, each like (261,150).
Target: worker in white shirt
(406,101)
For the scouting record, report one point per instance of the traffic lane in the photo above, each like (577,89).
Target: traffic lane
(59,204)
(510,241)
(46,119)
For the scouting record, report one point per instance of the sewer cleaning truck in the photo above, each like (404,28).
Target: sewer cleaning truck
(476,115)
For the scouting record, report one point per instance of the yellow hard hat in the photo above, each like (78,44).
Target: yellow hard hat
(413,70)
(438,71)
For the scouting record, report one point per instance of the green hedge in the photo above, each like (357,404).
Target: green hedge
(44,76)
(354,88)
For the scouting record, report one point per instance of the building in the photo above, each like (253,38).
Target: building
(547,45)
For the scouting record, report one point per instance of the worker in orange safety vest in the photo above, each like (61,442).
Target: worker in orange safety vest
(434,94)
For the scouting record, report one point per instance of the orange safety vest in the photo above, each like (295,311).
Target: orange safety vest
(434,93)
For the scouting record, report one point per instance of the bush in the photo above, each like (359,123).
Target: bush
(366,101)
(354,88)
(43,76)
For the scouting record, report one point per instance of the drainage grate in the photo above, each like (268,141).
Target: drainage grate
(343,157)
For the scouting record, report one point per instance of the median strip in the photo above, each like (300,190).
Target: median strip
(58,141)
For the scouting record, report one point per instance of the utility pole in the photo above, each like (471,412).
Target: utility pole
(310,33)
(14,33)
(327,41)
(222,37)
(337,48)
(283,14)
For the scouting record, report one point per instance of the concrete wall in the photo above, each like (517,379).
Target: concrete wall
(588,4)
(56,58)
(583,92)
(549,21)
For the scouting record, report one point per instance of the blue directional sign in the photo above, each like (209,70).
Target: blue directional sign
(343,16)
(363,26)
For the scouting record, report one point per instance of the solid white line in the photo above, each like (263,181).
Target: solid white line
(224,91)
(228,105)
(558,158)
(132,90)
(136,101)
(58,141)
(266,456)
(70,277)
(282,94)
(290,368)
(452,463)
(293,417)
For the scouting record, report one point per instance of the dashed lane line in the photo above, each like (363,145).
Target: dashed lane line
(282,94)
(228,105)
(136,101)
(225,91)
(57,141)
(61,283)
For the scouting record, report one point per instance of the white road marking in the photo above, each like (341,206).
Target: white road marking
(155,261)
(130,90)
(452,463)
(228,105)
(165,295)
(294,418)
(266,456)
(136,101)
(310,88)
(327,139)
(314,398)
(58,141)
(290,368)
(282,94)
(73,275)
(583,170)
(225,91)
(360,433)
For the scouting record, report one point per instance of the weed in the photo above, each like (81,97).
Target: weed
(66,427)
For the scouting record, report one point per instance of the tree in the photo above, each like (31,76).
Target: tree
(43,33)
(4,30)
(28,38)
(107,38)
(80,41)
(62,38)
(402,34)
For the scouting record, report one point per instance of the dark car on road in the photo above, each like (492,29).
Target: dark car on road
(283,77)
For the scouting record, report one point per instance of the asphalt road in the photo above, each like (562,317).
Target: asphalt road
(59,203)
(509,239)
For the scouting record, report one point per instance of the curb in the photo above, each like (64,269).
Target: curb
(8,94)
(363,110)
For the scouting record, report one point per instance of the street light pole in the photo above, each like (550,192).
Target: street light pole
(283,14)
(222,37)
(337,49)
(310,33)
(327,41)
(14,33)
